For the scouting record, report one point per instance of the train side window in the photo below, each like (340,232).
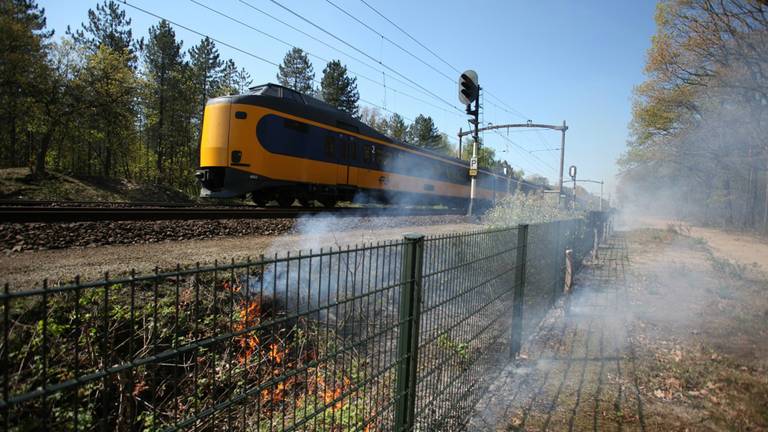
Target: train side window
(295,125)
(329,143)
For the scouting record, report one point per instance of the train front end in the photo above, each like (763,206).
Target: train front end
(223,172)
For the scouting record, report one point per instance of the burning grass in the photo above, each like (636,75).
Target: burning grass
(176,349)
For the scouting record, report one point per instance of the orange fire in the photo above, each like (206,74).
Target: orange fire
(330,394)
(275,354)
(249,315)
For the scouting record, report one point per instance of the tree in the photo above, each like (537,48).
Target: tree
(205,67)
(241,80)
(396,127)
(24,75)
(698,119)
(296,72)
(486,156)
(107,26)
(424,133)
(106,89)
(164,104)
(227,85)
(338,89)
(537,179)
(373,118)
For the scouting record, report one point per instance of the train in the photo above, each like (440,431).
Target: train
(276,144)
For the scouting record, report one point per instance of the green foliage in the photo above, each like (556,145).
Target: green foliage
(459,349)
(338,89)
(396,127)
(24,72)
(296,72)
(424,133)
(486,156)
(696,125)
(107,27)
(527,209)
(83,106)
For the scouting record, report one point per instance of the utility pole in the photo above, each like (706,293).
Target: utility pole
(461,135)
(572,173)
(562,161)
(601,195)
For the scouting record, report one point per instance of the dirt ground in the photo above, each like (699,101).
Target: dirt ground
(662,334)
(29,268)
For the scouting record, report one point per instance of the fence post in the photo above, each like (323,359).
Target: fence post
(408,340)
(519,290)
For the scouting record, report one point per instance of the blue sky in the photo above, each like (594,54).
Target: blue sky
(546,61)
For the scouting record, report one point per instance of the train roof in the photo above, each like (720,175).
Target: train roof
(291,101)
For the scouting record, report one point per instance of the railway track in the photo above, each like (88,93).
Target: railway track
(60,212)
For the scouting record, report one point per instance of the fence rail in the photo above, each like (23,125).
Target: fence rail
(388,336)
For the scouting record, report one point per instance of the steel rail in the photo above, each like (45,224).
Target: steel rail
(29,214)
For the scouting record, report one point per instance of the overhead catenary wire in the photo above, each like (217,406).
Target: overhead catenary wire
(508,108)
(367,78)
(542,162)
(383,37)
(241,50)
(324,43)
(384,65)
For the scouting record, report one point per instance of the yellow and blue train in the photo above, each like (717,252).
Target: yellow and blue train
(277,144)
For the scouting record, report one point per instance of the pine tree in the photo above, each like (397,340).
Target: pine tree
(205,67)
(165,71)
(424,133)
(296,72)
(107,26)
(338,89)
(228,73)
(241,81)
(396,127)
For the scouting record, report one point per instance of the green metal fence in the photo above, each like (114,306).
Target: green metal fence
(388,336)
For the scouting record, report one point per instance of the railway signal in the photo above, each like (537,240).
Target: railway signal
(469,91)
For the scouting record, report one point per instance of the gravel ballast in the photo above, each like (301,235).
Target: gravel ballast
(19,237)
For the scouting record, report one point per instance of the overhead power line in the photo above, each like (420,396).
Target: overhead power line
(394,90)
(240,50)
(400,47)
(357,59)
(411,37)
(542,162)
(384,65)
(250,54)
(508,108)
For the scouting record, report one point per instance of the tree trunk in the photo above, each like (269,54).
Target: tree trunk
(42,153)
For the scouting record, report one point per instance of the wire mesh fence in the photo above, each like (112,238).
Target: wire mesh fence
(387,336)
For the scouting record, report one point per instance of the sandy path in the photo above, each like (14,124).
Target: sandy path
(746,249)
(742,248)
(28,269)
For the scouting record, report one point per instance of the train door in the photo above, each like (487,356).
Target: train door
(342,158)
(352,160)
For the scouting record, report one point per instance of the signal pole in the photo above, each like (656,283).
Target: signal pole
(473,165)
(562,159)
(469,91)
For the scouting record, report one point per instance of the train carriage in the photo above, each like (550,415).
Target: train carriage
(277,144)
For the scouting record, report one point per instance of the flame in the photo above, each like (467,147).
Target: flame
(330,394)
(275,354)
(249,315)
